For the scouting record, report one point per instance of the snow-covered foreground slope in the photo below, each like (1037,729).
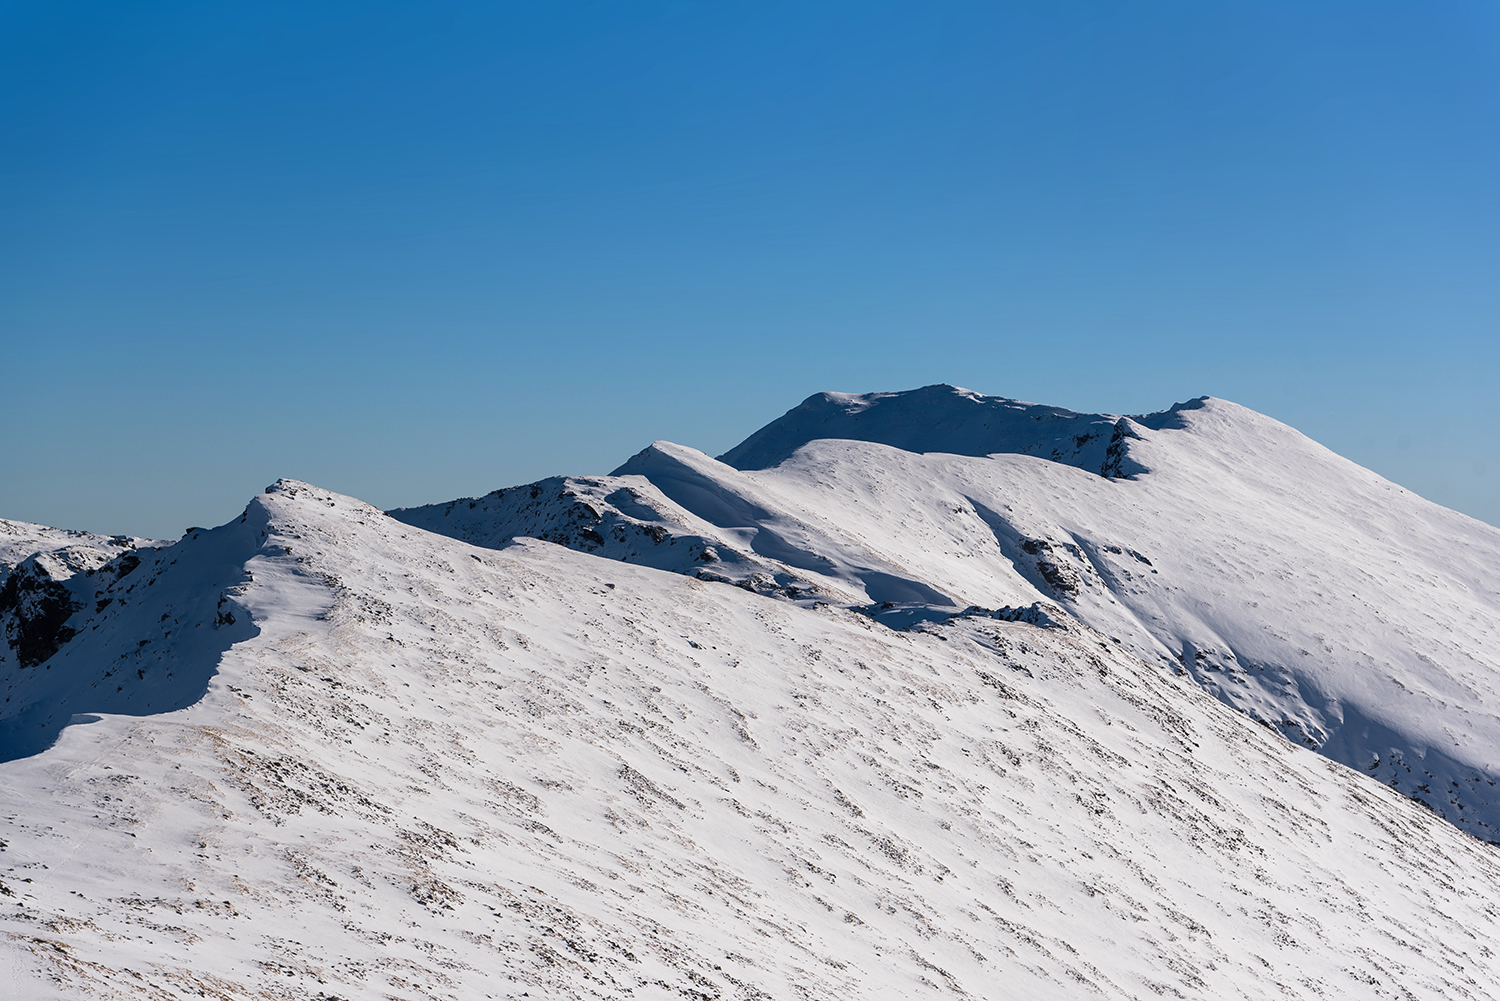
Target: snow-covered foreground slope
(436,770)
(1296,586)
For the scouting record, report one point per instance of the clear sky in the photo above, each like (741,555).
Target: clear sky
(411,251)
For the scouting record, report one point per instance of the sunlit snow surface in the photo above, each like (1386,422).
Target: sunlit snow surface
(426,768)
(1319,598)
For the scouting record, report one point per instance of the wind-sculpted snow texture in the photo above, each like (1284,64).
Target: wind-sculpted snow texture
(1351,615)
(441,771)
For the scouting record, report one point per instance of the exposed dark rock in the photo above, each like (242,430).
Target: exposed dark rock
(1117,462)
(1037,614)
(35,609)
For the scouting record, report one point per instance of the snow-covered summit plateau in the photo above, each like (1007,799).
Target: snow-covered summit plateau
(909,694)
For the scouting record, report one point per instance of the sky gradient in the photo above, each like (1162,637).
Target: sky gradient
(411,252)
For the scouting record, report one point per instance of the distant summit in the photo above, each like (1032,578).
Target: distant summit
(944,418)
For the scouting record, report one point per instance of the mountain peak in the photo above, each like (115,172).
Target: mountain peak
(949,419)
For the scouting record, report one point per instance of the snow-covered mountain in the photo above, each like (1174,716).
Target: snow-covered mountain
(948,735)
(1294,585)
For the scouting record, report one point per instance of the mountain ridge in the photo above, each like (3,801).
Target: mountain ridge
(1010,528)
(960,725)
(444,771)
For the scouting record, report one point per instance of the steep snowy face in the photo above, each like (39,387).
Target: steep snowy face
(111,626)
(433,770)
(41,570)
(1355,617)
(1309,593)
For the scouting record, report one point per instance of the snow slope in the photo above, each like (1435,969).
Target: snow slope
(43,584)
(1292,584)
(435,770)
(624,518)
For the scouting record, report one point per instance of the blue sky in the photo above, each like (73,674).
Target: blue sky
(413,251)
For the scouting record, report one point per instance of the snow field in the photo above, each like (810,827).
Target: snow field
(436,770)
